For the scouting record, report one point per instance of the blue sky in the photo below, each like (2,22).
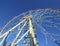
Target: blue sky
(11,8)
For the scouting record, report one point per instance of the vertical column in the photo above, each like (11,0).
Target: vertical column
(32,32)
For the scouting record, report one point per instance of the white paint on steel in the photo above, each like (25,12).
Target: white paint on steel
(12,29)
(22,37)
(18,34)
(3,39)
(32,32)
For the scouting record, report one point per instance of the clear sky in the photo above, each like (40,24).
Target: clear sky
(11,8)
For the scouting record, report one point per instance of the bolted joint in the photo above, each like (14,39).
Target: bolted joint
(27,17)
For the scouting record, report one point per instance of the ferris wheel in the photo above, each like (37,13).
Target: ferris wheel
(39,27)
